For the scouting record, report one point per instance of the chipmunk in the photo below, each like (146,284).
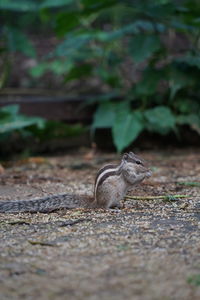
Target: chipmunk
(111,185)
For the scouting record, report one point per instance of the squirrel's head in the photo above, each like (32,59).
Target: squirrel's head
(138,165)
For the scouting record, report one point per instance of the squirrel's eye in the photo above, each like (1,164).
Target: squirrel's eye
(138,162)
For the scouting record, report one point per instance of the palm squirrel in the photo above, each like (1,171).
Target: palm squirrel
(111,185)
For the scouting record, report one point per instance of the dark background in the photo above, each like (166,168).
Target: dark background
(127,68)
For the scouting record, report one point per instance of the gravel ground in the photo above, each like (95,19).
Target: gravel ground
(148,250)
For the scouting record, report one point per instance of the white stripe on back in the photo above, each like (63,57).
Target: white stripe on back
(106,172)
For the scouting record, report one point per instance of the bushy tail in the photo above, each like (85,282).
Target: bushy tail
(46,204)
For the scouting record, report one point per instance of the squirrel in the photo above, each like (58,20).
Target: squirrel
(111,185)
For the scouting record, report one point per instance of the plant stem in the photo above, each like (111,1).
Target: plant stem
(166,197)
(189,183)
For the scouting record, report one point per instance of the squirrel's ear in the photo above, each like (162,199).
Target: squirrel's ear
(132,154)
(125,156)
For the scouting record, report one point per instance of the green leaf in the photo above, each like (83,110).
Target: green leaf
(143,46)
(38,70)
(186,106)
(160,10)
(127,126)
(66,21)
(132,28)
(108,77)
(189,59)
(160,119)
(78,72)
(148,84)
(178,80)
(31,5)
(10,109)
(189,119)
(91,6)
(55,3)
(19,5)
(182,27)
(17,41)
(72,43)
(193,120)
(11,120)
(58,67)
(19,123)
(104,116)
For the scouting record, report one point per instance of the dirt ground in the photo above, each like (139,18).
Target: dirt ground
(149,250)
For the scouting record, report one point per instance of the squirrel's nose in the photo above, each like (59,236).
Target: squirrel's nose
(149,173)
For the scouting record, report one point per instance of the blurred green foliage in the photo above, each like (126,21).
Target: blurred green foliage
(144,52)
(194,280)
(12,122)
